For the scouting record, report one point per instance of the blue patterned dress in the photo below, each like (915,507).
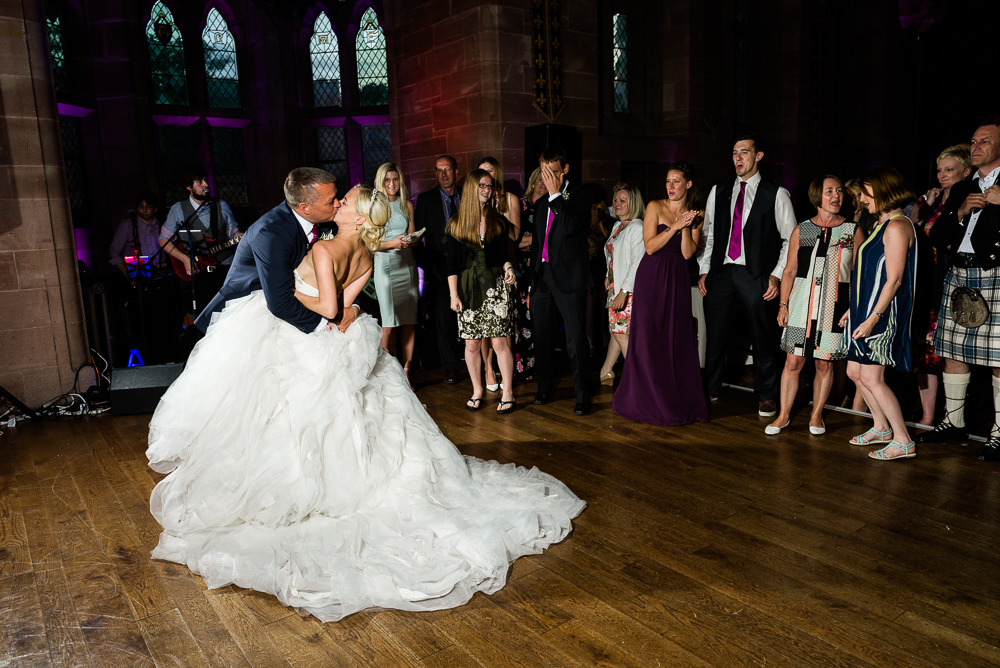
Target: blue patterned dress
(889,343)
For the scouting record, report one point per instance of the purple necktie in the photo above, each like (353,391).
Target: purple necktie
(736,237)
(315,234)
(545,245)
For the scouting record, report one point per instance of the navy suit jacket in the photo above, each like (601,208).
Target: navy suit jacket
(569,256)
(266,256)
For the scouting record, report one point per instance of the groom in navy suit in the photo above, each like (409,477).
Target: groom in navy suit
(274,246)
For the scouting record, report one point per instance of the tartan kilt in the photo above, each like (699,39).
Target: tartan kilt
(979,345)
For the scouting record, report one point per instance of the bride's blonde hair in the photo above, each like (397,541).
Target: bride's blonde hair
(374,206)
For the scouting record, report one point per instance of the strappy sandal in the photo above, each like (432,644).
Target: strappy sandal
(908,451)
(868,438)
(473,404)
(509,407)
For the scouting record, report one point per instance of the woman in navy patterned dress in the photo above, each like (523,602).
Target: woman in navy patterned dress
(882,288)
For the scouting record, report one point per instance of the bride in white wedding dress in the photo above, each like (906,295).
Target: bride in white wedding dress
(302,465)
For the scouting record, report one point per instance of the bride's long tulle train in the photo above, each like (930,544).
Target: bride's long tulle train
(303,466)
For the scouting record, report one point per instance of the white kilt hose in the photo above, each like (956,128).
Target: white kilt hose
(978,345)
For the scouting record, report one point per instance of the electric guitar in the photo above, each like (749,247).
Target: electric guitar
(204,259)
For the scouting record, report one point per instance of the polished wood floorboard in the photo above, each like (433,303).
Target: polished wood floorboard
(706,545)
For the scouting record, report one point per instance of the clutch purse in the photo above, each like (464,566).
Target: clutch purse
(968,308)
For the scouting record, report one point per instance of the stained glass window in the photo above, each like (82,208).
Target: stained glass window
(220,62)
(230,165)
(166,57)
(76,172)
(57,48)
(620,62)
(333,154)
(324,50)
(373,72)
(376,142)
(176,144)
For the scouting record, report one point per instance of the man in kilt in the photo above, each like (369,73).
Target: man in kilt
(969,229)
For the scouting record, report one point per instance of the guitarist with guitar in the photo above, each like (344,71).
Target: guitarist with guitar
(214,218)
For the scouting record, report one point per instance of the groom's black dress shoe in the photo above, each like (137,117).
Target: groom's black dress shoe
(543,398)
(582,408)
(944,432)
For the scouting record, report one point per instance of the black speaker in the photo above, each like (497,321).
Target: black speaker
(137,389)
(539,137)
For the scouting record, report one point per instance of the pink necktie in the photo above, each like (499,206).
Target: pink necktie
(545,246)
(737,235)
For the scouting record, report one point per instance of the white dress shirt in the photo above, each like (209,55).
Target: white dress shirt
(784,217)
(984,183)
(307,227)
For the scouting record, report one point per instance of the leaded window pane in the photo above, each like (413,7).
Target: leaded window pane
(324,51)
(373,72)
(220,63)
(176,144)
(76,179)
(230,165)
(60,70)
(166,57)
(620,61)
(333,154)
(376,143)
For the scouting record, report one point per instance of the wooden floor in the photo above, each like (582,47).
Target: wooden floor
(708,545)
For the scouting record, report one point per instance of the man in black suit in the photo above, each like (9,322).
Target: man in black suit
(969,231)
(562,277)
(434,209)
(747,224)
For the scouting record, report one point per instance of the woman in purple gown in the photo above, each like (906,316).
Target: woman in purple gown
(661,382)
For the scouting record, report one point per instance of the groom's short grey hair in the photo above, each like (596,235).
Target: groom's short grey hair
(300,186)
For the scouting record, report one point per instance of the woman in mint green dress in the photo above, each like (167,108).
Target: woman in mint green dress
(395,272)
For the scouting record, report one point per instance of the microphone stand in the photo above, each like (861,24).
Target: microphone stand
(190,244)
(140,279)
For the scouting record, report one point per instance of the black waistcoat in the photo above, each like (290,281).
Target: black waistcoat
(761,239)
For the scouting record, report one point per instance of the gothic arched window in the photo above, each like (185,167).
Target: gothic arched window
(57,48)
(166,57)
(324,51)
(220,62)
(373,72)
(620,61)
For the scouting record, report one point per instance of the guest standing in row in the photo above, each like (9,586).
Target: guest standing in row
(661,382)
(395,269)
(509,206)
(434,209)
(953,166)
(622,252)
(480,277)
(815,291)
(878,320)
(524,340)
(969,229)
(562,277)
(748,223)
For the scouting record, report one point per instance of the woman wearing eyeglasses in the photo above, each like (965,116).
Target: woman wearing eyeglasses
(480,280)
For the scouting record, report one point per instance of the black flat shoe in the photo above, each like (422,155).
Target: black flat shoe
(473,404)
(943,433)
(991,451)
(505,407)
(543,398)
(582,408)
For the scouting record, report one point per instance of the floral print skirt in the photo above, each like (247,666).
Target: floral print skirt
(495,318)
(618,320)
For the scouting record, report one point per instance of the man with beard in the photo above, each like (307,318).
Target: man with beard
(214,218)
(747,224)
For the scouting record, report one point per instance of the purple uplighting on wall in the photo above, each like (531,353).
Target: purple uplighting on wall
(174,120)
(84,252)
(216,122)
(73,110)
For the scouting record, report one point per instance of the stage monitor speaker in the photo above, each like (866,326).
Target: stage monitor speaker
(538,137)
(138,389)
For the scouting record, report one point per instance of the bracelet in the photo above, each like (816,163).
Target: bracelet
(878,315)
(782,305)
(357,310)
